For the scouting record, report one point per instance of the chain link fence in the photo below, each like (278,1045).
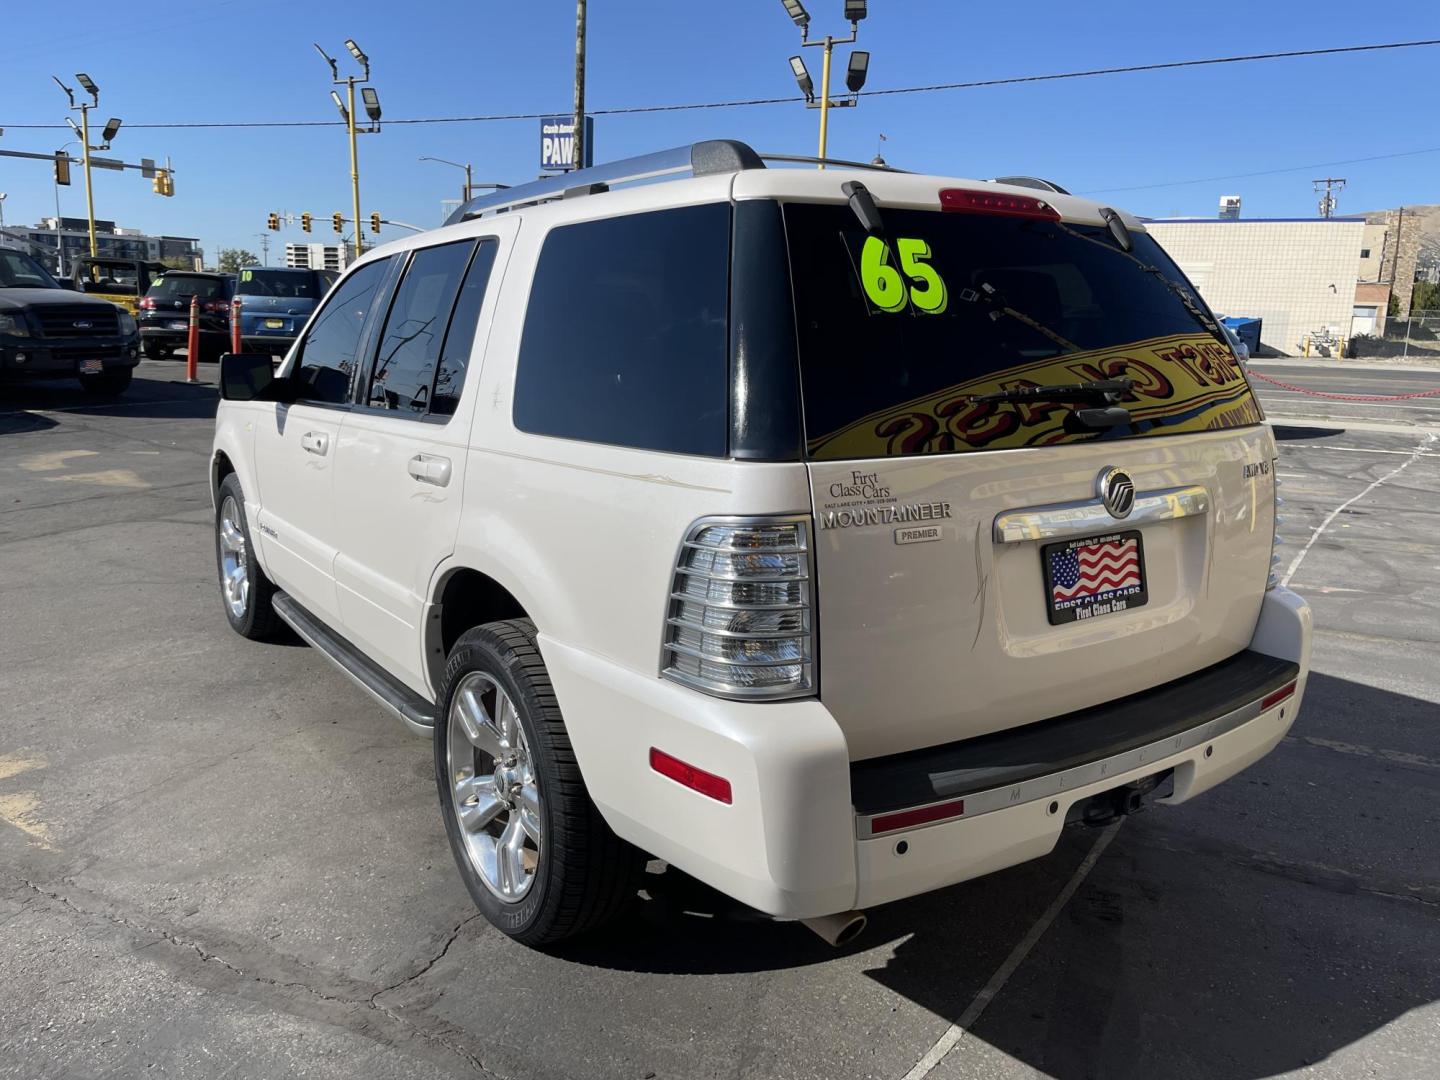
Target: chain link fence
(1417,336)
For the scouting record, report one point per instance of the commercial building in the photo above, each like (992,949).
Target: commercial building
(57,242)
(317,256)
(1298,275)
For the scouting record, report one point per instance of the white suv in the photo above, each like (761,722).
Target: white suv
(831,535)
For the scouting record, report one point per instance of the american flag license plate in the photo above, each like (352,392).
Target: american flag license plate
(1098,575)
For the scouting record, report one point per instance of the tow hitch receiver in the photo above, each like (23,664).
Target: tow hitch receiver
(1105,806)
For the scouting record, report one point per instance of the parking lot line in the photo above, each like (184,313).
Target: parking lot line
(956,1031)
(1414,456)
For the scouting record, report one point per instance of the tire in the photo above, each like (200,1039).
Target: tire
(573,875)
(110,384)
(246,601)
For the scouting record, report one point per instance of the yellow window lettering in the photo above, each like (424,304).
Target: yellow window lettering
(883,284)
(887,289)
(931,299)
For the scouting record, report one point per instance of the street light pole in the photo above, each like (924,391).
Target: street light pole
(355,169)
(825,96)
(89,191)
(352,127)
(855,10)
(469,182)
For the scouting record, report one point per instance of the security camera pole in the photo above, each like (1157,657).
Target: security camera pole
(347,113)
(859,66)
(112,128)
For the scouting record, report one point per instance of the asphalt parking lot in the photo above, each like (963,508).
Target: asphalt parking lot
(218,858)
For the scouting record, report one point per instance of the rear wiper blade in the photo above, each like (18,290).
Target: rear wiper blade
(1105,391)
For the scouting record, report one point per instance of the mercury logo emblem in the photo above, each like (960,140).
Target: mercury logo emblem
(1117,491)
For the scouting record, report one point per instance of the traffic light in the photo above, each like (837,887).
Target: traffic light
(305,220)
(375,223)
(162,183)
(337,220)
(273,222)
(62,168)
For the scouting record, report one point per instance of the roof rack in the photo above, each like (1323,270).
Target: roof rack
(699,159)
(1031,182)
(801,160)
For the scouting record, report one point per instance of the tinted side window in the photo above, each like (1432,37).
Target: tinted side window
(626,335)
(328,355)
(455,355)
(415,328)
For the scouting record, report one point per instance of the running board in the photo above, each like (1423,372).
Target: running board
(395,697)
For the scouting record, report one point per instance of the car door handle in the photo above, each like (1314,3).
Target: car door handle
(429,469)
(317,442)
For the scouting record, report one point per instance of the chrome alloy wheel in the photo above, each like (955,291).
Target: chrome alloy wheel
(495,794)
(234,564)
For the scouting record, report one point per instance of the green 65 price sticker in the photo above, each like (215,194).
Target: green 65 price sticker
(894,280)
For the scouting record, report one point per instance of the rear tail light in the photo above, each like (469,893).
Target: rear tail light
(968,201)
(740,622)
(215,307)
(147,303)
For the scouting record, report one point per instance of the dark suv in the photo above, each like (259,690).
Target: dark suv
(165,313)
(50,332)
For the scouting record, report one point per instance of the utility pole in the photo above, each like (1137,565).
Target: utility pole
(1327,200)
(577,160)
(264,248)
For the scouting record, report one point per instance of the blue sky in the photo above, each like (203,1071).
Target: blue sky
(253,60)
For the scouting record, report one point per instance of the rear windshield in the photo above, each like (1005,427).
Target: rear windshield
(292,284)
(187,285)
(898,336)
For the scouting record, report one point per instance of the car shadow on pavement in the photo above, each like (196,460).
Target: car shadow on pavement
(1199,945)
(146,398)
(1293,433)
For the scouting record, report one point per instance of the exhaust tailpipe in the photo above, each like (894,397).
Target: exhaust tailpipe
(839,929)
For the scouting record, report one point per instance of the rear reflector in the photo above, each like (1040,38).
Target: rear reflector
(965,201)
(909,819)
(716,787)
(1277,696)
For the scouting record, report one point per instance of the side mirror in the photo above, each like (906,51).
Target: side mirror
(248,377)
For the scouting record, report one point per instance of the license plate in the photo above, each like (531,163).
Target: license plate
(1094,576)
(179,326)
(91,367)
(274,324)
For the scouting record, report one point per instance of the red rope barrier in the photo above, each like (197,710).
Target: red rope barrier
(1343,397)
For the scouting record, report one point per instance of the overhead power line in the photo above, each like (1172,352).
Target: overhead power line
(1262,172)
(742,102)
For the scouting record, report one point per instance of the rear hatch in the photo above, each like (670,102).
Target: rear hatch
(276,302)
(970,576)
(168,300)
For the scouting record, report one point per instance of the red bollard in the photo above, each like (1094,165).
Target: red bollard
(192,343)
(235,325)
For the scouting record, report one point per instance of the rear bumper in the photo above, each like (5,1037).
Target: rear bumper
(177,338)
(271,343)
(807,833)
